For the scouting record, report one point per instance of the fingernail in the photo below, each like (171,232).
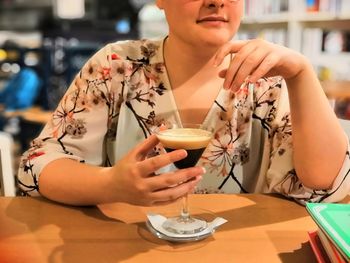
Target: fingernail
(183,153)
(204,170)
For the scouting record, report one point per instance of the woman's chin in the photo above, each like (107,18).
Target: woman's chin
(216,38)
(217,42)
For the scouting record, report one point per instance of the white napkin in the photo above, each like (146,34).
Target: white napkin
(157,221)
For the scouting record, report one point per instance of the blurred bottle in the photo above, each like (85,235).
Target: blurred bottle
(152,23)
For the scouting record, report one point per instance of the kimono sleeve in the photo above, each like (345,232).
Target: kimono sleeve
(281,175)
(84,117)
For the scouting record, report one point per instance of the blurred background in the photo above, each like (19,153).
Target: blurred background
(43,44)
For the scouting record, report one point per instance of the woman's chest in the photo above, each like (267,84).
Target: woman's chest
(193,101)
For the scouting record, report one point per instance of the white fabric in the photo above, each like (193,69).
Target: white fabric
(123,93)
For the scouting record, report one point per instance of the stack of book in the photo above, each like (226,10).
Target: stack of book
(327,6)
(331,241)
(254,8)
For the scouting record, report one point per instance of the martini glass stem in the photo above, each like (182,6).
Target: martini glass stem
(185,214)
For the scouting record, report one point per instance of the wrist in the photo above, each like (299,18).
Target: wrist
(106,192)
(305,74)
(303,67)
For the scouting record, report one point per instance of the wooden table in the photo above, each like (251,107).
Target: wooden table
(260,228)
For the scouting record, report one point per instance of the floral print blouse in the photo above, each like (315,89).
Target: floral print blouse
(123,92)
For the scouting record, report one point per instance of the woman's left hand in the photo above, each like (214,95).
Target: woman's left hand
(257,58)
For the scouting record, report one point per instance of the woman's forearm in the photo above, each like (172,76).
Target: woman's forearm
(70,182)
(318,139)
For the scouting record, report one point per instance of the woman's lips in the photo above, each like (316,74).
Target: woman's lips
(211,20)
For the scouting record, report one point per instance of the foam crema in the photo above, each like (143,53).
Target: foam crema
(184,138)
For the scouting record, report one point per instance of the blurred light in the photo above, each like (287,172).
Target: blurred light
(69,9)
(31,59)
(13,55)
(59,54)
(3,54)
(10,68)
(6,67)
(122,26)
(15,68)
(73,42)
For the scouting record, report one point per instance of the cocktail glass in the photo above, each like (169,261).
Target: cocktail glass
(194,139)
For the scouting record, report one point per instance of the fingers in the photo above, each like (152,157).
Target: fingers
(264,67)
(245,57)
(178,177)
(153,164)
(172,194)
(228,48)
(253,60)
(248,63)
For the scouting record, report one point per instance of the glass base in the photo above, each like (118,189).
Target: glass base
(184,225)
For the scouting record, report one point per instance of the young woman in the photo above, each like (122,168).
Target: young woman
(274,131)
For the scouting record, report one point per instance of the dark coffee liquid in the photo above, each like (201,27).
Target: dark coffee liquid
(191,159)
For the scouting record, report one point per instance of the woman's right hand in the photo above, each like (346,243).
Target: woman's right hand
(133,179)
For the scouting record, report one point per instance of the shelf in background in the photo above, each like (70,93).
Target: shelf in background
(283,17)
(320,17)
(310,27)
(333,57)
(287,17)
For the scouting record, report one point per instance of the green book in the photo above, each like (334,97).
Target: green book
(334,221)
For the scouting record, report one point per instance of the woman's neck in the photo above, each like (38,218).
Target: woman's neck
(184,62)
